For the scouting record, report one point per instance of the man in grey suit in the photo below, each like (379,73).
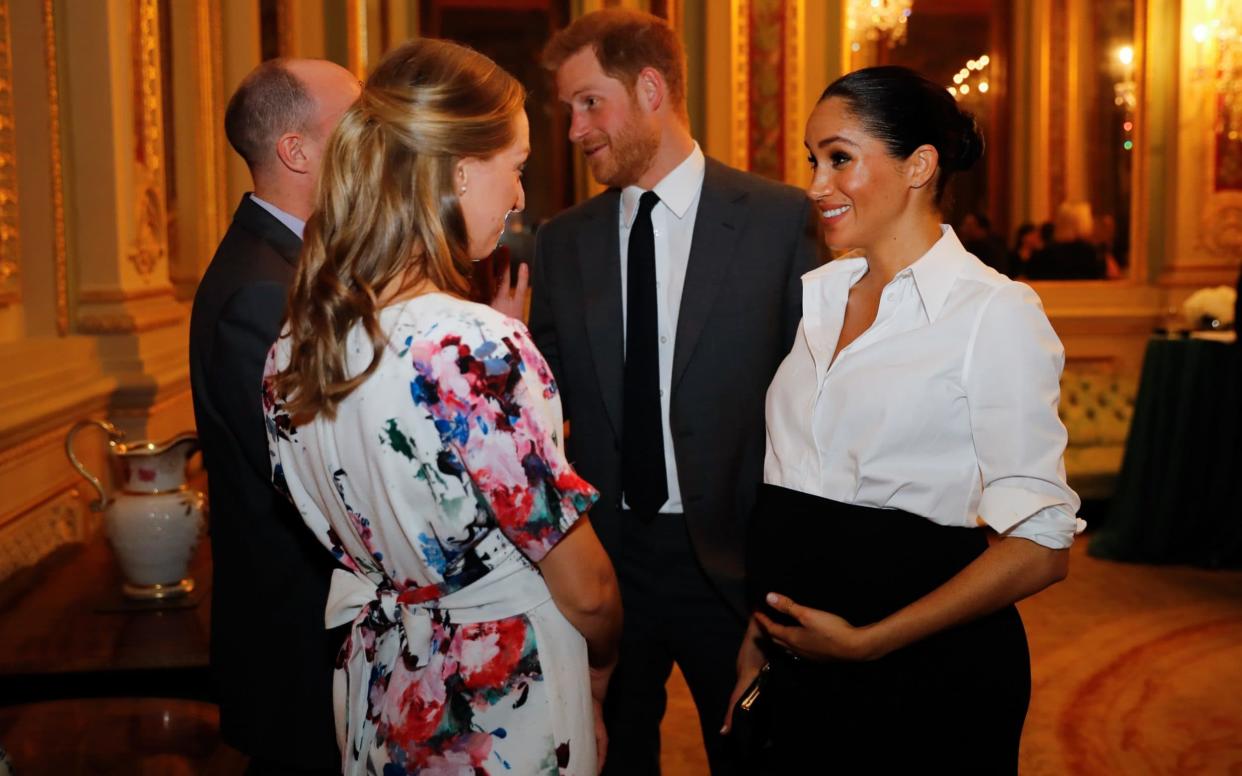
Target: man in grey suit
(271,658)
(664,306)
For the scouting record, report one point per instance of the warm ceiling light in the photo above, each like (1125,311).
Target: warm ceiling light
(1126,55)
(983,86)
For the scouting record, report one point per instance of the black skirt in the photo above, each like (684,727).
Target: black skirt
(953,702)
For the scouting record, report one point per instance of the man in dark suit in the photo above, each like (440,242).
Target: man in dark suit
(664,306)
(272,659)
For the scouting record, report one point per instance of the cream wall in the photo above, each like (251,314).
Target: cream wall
(97,265)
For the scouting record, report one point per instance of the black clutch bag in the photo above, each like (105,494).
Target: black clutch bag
(752,722)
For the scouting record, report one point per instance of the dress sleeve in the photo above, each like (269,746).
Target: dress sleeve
(494,402)
(1012,378)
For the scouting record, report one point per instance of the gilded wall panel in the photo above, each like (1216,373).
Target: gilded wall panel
(150,248)
(60,251)
(8,168)
(1208,219)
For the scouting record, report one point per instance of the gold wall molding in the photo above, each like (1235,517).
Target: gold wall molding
(1058,117)
(150,246)
(1221,234)
(795,75)
(60,521)
(211,142)
(106,295)
(286,29)
(59,243)
(9,249)
(125,321)
(356,36)
(739,44)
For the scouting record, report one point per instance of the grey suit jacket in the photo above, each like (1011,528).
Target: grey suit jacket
(753,239)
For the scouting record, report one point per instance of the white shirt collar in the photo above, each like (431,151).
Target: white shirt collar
(677,190)
(934,272)
(295,224)
(937,270)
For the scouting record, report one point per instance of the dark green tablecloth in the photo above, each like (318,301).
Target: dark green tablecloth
(1179,496)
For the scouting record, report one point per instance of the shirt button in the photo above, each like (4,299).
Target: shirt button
(663,340)
(661,393)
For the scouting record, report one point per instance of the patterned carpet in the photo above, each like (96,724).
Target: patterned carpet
(1137,670)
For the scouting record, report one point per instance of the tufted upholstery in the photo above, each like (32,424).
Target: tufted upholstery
(1096,410)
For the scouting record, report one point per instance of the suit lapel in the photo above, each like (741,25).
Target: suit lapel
(599,260)
(720,219)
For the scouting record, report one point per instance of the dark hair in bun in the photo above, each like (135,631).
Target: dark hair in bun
(905,110)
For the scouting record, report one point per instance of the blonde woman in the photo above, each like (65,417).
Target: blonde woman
(419,435)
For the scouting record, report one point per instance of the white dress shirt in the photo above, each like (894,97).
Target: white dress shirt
(946,407)
(295,224)
(672,220)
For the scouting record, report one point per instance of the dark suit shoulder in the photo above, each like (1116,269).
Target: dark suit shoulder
(242,261)
(749,182)
(599,206)
(242,257)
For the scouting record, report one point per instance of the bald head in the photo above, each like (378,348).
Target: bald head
(279,121)
(282,97)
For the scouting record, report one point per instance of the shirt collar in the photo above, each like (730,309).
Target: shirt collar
(677,190)
(295,224)
(934,272)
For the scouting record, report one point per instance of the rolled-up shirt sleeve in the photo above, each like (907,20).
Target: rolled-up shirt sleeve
(1012,378)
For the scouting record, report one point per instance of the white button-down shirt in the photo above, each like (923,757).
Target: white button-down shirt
(672,220)
(946,407)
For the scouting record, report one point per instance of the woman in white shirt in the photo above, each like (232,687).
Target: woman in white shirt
(916,411)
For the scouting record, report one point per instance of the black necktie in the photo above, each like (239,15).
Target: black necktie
(642,446)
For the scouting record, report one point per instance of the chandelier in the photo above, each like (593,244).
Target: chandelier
(1220,54)
(876,20)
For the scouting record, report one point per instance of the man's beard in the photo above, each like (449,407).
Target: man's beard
(631,151)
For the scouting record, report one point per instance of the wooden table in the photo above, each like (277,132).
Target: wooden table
(66,632)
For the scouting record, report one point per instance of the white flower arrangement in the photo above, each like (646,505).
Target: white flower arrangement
(1210,307)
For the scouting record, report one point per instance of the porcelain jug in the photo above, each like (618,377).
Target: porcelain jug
(154,520)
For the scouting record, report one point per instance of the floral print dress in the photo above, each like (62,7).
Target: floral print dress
(439,483)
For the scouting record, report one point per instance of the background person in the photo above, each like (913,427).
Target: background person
(1070,255)
(278,120)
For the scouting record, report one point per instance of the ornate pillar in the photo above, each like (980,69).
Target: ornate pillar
(202,210)
(242,50)
(1203,167)
(112,122)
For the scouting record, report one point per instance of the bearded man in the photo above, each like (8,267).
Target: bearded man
(664,306)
